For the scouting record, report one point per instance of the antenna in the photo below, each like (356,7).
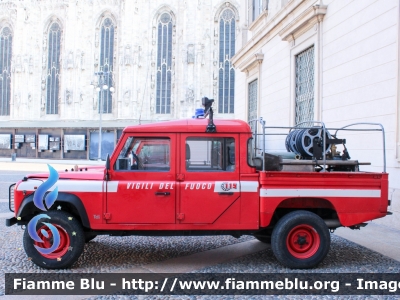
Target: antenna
(207,103)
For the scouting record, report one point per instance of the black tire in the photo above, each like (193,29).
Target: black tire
(300,240)
(72,241)
(89,236)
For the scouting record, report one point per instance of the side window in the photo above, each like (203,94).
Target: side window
(144,154)
(210,154)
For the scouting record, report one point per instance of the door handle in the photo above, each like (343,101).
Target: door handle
(228,193)
(162,193)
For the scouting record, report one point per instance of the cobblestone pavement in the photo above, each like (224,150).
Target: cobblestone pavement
(112,254)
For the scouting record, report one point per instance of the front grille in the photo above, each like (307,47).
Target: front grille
(11,197)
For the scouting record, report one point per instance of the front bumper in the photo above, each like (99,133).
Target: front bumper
(11,222)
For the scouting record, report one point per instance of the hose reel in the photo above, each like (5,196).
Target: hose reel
(303,141)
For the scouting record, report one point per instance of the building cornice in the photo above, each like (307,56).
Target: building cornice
(303,22)
(295,17)
(251,62)
(259,22)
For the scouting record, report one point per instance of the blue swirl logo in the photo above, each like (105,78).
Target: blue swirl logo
(44,206)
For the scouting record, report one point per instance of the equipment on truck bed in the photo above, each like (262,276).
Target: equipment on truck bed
(313,146)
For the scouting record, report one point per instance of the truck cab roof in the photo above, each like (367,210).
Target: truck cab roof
(191,125)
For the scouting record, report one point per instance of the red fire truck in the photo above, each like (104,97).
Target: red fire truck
(205,177)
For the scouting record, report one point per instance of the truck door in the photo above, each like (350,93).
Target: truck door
(209,176)
(142,185)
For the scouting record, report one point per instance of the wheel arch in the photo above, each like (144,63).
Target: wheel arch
(320,206)
(69,202)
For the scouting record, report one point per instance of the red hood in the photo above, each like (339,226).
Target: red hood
(83,173)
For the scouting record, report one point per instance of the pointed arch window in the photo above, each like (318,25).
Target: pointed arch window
(164,62)
(5,69)
(53,68)
(226,80)
(106,64)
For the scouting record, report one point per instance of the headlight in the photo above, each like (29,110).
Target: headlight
(11,197)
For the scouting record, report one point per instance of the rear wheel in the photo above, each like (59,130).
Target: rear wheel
(59,240)
(300,240)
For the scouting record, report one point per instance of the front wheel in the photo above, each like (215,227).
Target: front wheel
(300,240)
(54,240)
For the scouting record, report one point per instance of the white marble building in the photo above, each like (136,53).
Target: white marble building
(335,61)
(164,57)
